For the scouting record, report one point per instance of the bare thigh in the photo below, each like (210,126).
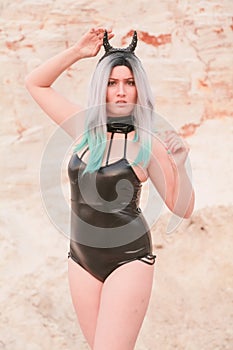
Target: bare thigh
(124,301)
(85,293)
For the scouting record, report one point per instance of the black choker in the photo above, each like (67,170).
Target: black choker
(122,125)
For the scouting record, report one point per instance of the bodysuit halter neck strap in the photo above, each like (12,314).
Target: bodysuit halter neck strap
(121,125)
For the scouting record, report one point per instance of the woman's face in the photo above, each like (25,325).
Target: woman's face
(121,92)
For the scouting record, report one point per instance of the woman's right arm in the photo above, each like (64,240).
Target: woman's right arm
(39,81)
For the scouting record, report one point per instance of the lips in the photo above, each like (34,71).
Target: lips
(120,101)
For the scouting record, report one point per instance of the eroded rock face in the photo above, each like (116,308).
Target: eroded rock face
(186,48)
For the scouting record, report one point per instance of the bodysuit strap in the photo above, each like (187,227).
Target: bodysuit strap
(125,145)
(84,152)
(110,146)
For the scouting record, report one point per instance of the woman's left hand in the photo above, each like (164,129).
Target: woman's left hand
(177,147)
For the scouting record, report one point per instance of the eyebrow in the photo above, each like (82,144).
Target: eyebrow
(129,78)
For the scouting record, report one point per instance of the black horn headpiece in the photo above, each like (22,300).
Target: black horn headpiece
(127,50)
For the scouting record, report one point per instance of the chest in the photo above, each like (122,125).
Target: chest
(117,150)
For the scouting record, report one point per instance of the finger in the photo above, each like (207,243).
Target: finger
(177,148)
(101,36)
(103,30)
(110,36)
(171,135)
(170,132)
(186,144)
(96,29)
(100,30)
(92,30)
(174,140)
(182,146)
(173,143)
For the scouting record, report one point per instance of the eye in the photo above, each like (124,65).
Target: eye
(131,82)
(111,82)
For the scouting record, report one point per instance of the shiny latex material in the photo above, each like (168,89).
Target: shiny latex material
(107,226)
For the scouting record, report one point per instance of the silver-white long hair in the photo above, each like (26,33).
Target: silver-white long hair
(96,116)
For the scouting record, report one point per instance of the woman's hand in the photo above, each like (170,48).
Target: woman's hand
(90,44)
(177,148)
(167,171)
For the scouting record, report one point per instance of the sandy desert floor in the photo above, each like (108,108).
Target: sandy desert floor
(191,303)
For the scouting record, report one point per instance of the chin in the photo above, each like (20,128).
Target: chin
(119,110)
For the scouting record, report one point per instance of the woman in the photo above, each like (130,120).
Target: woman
(111,261)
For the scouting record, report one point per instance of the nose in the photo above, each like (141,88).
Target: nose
(121,89)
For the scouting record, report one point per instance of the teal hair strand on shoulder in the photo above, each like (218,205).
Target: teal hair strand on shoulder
(82,144)
(143,155)
(97,147)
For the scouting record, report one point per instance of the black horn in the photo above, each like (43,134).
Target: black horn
(125,51)
(106,44)
(134,41)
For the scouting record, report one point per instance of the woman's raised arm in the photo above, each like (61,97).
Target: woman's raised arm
(39,81)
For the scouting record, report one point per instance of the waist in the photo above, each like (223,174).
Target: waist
(104,215)
(95,228)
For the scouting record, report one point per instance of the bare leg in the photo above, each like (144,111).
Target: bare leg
(85,293)
(124,301)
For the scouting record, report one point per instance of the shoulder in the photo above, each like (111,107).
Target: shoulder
(160,168)
(160,162)
(158,148)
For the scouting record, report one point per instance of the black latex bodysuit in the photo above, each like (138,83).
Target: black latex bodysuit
(107,226)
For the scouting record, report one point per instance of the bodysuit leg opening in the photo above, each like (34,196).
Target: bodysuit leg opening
(148,259)
(104,273)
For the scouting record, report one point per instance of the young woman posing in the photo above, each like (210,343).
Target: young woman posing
(111,260)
